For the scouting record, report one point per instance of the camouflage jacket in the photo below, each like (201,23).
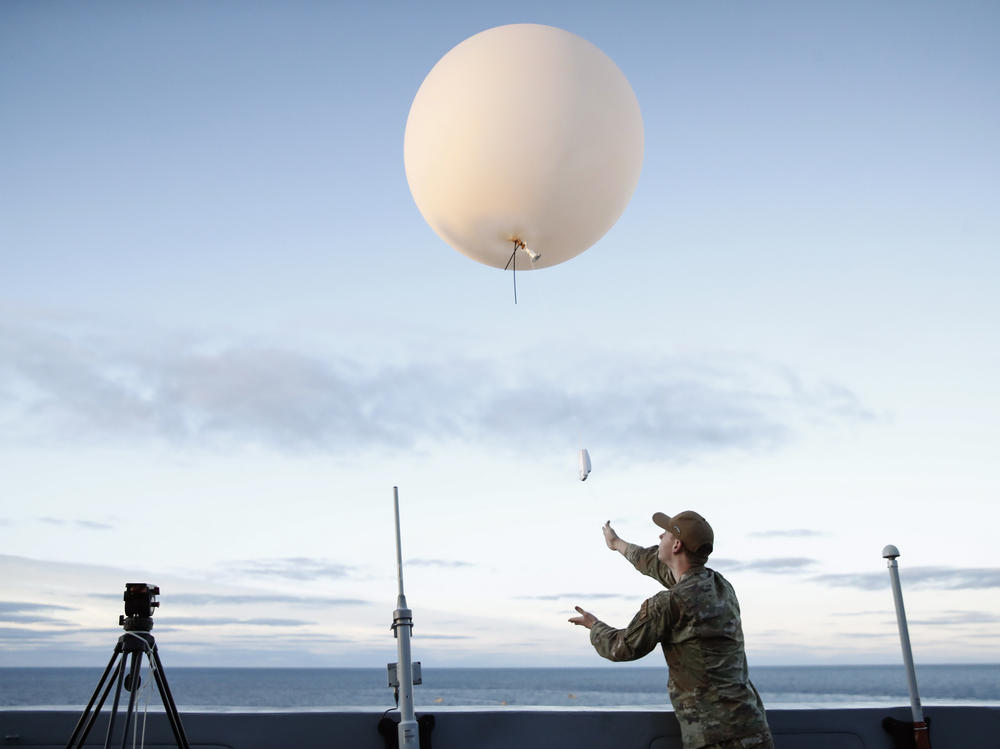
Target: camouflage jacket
(697,623)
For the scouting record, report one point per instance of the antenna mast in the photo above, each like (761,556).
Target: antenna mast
(402,627)
(921,735)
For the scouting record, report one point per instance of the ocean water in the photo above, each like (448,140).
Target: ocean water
(604,687)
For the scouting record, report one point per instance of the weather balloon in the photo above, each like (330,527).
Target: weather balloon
(523,143)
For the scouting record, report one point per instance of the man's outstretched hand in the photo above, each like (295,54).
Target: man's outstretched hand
(610,537)
(586,619)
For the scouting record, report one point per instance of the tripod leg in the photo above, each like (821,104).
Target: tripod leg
(104,697)
(168,700)
(86,711)
(114,706)
(133,690)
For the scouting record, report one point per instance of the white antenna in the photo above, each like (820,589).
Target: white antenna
(921,737)
(402,627)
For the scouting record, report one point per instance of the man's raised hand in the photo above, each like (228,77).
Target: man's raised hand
(586,619)
(610,536)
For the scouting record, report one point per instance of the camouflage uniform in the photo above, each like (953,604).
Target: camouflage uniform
(697,623)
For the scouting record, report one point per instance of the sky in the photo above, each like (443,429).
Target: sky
(226,333)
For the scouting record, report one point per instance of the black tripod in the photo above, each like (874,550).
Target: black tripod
(136,641)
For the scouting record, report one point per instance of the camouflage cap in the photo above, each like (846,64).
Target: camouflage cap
(689,527)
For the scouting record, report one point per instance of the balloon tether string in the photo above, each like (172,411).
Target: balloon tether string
(512,264)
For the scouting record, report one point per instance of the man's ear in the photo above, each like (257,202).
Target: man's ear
(677,546)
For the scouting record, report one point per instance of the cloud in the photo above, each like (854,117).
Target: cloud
(18,634)
(774,565)
(223,599)
(23,613)
(794,533)
(724,563)
(949,618)
(216,621)
(292,568)
(92,525)
(779,565)
(62,383)
(960,618)
(950,578)
(573,596)
(255,641)
(438,563)
(8,607)
(33,619)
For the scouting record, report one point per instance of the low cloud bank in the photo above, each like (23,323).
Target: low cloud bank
(62,385)
(951,578)
(774,565)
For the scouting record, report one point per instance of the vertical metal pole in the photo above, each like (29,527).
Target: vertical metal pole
(920,734)
(409,735)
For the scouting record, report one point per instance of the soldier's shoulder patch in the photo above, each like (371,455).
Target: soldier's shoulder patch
(644,610)
(651,606)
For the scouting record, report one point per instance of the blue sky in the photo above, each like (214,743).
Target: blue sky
(226,332)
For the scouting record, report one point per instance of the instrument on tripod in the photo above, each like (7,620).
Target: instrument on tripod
(140,600)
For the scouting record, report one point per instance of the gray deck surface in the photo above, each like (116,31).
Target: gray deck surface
(952,728)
